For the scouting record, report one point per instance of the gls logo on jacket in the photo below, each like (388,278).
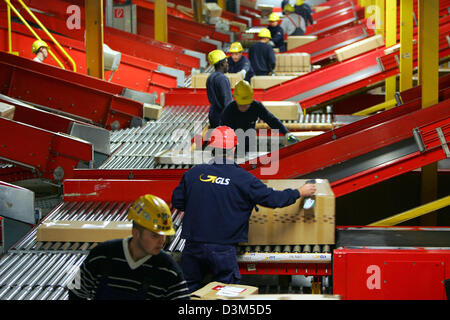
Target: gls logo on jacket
(215,179)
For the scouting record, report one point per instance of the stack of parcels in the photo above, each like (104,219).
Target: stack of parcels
(199,80)
(7,111)
(297,41)
(294,225)
(359,47)
(293,62)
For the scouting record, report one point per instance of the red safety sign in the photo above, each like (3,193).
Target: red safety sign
(118,13)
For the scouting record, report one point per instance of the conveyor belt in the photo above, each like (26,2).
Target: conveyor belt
(33,270)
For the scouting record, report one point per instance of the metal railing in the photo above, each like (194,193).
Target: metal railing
(38,22)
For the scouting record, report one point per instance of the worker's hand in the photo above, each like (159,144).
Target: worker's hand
(243,73)
(307,190)
(291,138)
(271,43)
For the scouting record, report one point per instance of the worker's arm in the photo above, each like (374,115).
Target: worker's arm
(227,117)
(178,195)
(270,119)
(268,197)
(272,59)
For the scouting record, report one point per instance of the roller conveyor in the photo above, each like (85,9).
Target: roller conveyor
(33,270)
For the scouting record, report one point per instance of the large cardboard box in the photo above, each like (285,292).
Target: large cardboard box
(264,82)
(213,10)
(82,231)
(359,47)
(7,110)
(297,41)
(293,62)
(249,3)
(283,110)
(221,291)
(293,224)
(199,80)
(265,9)
(152,111)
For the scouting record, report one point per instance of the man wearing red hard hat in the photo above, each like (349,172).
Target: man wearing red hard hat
(217,199)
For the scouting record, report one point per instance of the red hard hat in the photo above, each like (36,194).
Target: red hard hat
(223,137)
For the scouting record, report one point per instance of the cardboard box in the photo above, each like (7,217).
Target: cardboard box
(297,41)
(249,3)
(264,82)
(265,9)
(152,111)
(213,10)
(283,110)
(293,62)
(242,26)
(221,291)
(199,80)
(359,47)
(7,110)
(293,224)
(82,231)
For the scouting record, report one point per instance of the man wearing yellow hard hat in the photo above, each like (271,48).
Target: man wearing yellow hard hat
(304,10)
(218,87)
(134,268)
(40,49)
(293,24)
(217,199)
(243,113)
(276,33)
(237,63)
(261,54)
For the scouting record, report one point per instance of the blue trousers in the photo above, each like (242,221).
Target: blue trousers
(199,259)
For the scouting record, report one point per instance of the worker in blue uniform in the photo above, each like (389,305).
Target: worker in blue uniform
(243,113)
(218,87)
(276,33)
(304,10)
(217,200)
(134,268)
(237,63)
(261,54)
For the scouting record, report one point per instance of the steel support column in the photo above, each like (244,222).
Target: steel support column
(429,79)
(161,33)
(94,38)
(406,44)
(391,39)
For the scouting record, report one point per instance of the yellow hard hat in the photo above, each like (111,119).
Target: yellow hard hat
(243,93)
(274,17)
(236,47)
(289,8)
(152,213)
(216,56)
(264,33)
(300,2)
(37,45)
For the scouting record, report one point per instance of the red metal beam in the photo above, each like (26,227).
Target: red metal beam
(100,107)
(45,151)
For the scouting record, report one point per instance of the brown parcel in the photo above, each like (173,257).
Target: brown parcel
(199,80)
(297,41)
(152,111)
(292,224)
(83,231)
(359,47)
(264,82)
(221,291)
(7,111)
(283,110)
(213,10)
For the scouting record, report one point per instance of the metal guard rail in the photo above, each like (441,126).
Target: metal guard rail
(10,6)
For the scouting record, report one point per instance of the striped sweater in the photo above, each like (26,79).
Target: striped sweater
(111,263)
